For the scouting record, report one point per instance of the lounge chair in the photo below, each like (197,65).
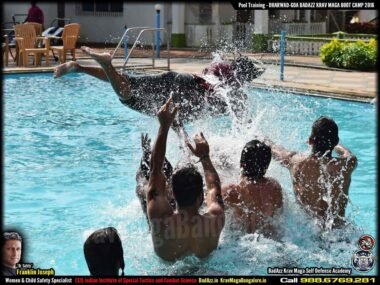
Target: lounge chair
(69,37)
(56,28)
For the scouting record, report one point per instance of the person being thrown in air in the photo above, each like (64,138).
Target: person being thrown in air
(192,94)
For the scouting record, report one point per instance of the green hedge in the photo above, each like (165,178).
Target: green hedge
(260,42)
(357,56)
(178,40)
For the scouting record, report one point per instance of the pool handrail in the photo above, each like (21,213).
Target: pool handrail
(123,36)
(143,30)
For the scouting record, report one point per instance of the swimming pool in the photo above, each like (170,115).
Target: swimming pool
(71,153)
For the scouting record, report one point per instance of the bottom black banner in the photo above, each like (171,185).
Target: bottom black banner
(191,280)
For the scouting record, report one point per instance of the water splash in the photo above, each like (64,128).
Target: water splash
(64,144)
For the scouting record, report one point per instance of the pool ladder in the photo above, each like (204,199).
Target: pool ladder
(142,31)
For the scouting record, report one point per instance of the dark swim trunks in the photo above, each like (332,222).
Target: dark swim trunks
(222,70)
(191,94)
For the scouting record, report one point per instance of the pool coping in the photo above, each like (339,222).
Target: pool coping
(296,88)
(313,92)
(50,69)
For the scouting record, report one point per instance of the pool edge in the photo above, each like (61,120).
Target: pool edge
(279,88)
(314,93)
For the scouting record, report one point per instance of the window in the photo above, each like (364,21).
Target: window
(101,7)
(116,6)
(273,14)
(243,16)
(88,6)
(302,16)
(205,13)
(97,8)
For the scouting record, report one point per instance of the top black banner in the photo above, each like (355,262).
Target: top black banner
(264,5)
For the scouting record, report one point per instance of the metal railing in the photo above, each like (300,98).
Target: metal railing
(19,21)
(65,21)
(275,27)
(144,30)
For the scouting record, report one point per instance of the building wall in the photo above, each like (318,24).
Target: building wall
(367,15)
(167,14)
(11,8)
(287,15)
(97,29)
(227,13)
(109,29)
(192,13)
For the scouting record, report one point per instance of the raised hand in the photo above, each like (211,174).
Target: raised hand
(268,141)
(202,148)
(167,113)
(145,145)
(145,142)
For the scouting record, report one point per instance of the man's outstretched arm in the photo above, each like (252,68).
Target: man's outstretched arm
(214,194)
(345,153)
(280,153)
(214,200)
(158,205)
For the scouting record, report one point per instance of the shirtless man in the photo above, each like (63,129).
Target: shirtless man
(318,176)
(257,200)
(192,94)
(184,232)
(143,173)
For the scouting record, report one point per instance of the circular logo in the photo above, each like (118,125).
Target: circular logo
(366,242)
(363,260)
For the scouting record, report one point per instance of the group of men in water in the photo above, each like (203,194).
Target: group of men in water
(172,198)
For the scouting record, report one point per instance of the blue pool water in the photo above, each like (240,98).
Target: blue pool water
(71,153)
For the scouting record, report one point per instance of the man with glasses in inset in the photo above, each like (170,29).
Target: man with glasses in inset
(11,250)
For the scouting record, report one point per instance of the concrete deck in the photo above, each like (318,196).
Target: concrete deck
(305,74)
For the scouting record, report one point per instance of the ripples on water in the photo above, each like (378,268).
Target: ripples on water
(71,154)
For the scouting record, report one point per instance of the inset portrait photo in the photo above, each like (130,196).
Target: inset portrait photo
(11,252)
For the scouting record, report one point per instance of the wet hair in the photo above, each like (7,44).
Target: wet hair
(246,70)
(104,252)
(187,185)
(324,134)
(255,159)
(145,167)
